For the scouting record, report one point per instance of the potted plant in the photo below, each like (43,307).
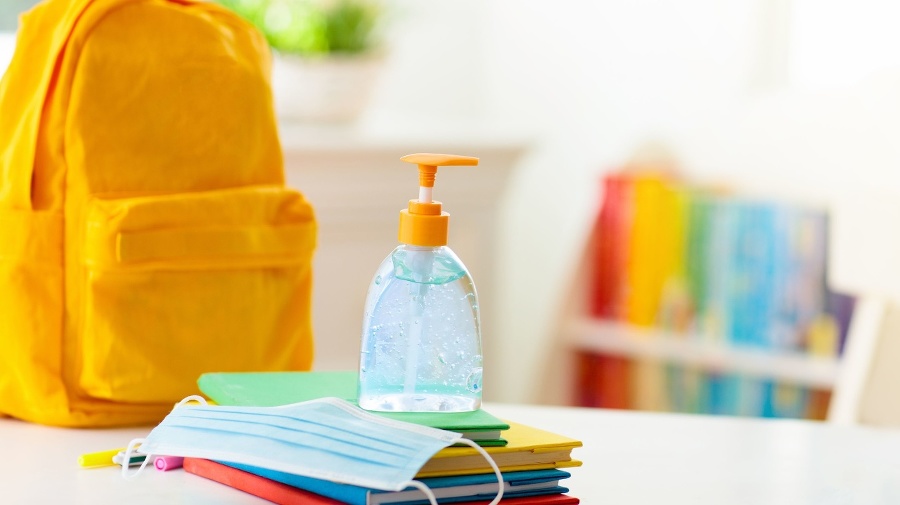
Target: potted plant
(326,56)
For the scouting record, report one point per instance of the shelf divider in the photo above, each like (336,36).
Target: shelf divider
(620,339)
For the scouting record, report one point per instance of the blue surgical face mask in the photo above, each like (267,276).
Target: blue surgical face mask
(326,438)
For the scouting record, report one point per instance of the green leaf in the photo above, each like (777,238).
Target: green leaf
(312,27)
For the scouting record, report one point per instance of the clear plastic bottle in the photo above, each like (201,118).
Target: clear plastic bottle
(421,334)
(421,347)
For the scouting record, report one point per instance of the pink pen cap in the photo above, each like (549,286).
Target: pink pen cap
(166,463)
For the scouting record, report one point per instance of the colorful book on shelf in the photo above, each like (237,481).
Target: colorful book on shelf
(722,392)
(817,404)
(789,400)
(687,388)
(269,389)
(751,283)
(840,306)
(644,267)
(285,494)
(617,382)
(697,253)
(608,379)
(648,385)
(718,270)
(675,311)
(609,247)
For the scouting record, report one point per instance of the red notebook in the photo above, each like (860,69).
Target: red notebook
(283,494)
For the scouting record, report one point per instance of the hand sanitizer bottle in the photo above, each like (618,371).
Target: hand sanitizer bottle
(421,336)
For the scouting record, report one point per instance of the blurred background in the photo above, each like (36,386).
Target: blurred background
(678,206)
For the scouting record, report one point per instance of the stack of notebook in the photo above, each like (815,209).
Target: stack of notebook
(529,459)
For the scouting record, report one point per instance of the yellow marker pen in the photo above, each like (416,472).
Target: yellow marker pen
(102,458)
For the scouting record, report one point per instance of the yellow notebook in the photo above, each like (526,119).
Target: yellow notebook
(528,449)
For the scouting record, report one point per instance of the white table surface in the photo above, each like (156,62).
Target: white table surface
(629,458)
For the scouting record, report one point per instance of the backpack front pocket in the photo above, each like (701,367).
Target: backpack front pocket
(179,285)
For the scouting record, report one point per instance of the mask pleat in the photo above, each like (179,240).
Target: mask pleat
(293,437)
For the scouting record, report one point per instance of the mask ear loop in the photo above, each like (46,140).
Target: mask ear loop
(491,462)
(196,398)
(138,441)
(430,495)
(425,489)
(128,452)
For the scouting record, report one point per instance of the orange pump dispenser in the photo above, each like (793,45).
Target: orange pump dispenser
(423,223)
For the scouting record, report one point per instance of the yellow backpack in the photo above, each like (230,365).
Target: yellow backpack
(146,235)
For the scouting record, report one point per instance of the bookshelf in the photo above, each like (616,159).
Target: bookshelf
(608,337)
(641,347)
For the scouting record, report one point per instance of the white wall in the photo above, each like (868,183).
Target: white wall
(434,68)
(7,46)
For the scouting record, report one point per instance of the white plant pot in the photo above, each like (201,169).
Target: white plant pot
(328,89)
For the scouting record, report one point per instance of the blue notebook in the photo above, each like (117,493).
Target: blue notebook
(446,489)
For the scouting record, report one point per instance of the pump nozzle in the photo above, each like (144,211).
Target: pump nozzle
(424,223)
(428,163)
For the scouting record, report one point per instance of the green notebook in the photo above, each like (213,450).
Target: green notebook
(269,389)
